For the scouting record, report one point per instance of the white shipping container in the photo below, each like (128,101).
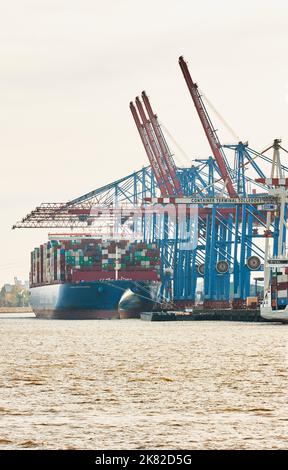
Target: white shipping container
(282,294)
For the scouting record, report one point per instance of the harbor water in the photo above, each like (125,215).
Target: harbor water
(140,385)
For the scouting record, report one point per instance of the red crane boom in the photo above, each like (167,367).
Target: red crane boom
(208,128)
(153,161)
(166,154)
(154,145)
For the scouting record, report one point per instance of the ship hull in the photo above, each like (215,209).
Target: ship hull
(274,315)
(131,305)
(97,300)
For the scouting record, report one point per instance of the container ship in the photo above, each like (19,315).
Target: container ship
(93,278)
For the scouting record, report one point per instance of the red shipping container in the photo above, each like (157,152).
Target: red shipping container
(81,275)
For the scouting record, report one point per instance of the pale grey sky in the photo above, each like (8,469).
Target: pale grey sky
(68,69)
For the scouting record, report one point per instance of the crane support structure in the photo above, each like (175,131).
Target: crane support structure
(208,128)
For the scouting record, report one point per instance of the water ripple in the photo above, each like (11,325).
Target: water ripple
(138,385)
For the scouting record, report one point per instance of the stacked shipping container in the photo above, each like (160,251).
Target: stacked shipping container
(279,288)
(93,259)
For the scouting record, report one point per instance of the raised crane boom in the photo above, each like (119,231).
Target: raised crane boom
(150,155)
(168,159)
(155,146)
(208,128)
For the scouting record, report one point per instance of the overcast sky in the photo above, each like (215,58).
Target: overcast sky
(68,69)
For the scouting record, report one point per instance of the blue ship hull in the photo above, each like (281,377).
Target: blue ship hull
(91,300)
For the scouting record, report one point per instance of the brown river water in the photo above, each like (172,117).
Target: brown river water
(131,384)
